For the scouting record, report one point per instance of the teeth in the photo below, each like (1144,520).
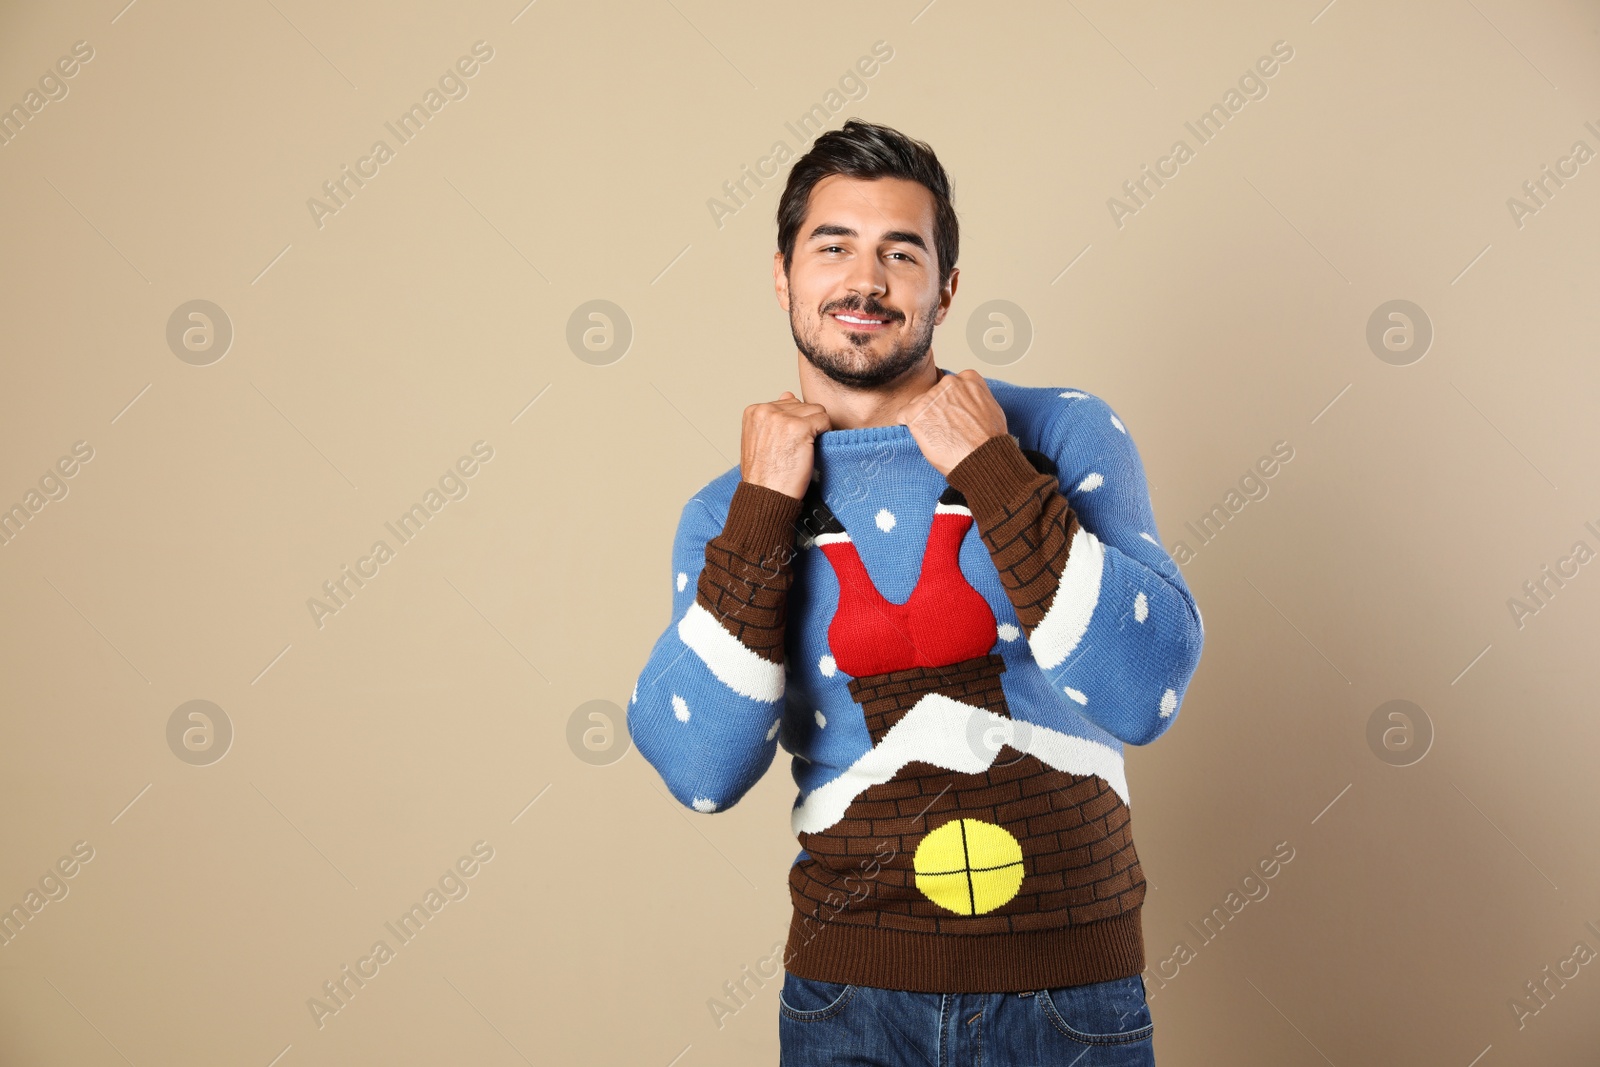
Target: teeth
(867,322)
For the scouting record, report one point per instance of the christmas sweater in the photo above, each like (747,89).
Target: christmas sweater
(954,665)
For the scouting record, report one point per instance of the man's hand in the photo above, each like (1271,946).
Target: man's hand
(777,445)
(954,417)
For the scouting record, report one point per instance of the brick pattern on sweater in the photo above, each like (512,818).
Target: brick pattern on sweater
(1029,538)
(1073,829)
(745,583)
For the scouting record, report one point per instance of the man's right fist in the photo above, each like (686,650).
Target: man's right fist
(777,443)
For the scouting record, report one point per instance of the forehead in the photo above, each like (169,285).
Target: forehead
(870,206)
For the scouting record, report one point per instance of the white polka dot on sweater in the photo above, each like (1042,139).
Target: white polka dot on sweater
(1141,607)
(1093,480)
(704,804)
(1118,424)
(679,708)
(1073,394)
(683,580)
(822,720)
(1075,694)
(635,698)
(1169,703)
(1008,632)
(772,731)
(827,666)
(885,520)
(1147,537)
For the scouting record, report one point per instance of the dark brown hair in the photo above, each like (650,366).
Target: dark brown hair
(867,151)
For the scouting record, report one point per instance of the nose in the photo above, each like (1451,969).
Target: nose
(868,278)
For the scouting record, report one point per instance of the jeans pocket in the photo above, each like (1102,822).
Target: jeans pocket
(1113,1012)
(809,999)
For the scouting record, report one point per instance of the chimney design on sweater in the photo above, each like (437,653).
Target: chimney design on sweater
(983,839)
(956,705)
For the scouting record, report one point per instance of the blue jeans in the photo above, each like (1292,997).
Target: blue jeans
(1101,1024)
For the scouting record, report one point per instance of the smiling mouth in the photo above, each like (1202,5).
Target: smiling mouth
(859,322)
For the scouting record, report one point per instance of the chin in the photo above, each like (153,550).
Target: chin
(872,374)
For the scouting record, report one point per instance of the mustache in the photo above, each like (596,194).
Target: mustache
(869,308)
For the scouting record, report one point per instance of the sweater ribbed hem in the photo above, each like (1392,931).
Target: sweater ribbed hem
(979,963)
(761,519)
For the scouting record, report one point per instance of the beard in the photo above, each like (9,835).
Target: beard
(852,362)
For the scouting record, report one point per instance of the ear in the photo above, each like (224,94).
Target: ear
(780,281)
(946,295)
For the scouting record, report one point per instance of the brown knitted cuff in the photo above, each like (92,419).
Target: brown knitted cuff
(995,477)
(760,520)
(749,568)
(1026,523)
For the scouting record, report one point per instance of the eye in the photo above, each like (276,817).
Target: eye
(903,255)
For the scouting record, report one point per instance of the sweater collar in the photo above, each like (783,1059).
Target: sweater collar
(832,444)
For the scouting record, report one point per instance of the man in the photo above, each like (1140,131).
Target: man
(945,595)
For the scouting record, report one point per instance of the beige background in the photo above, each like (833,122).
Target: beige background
(369,354)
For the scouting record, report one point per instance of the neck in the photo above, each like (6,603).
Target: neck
(853,409)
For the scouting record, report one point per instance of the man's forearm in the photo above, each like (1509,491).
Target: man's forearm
(709,702)
(1026,524)
(750,567)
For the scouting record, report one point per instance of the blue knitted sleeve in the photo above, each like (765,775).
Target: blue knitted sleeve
(705,710)
(1128,670)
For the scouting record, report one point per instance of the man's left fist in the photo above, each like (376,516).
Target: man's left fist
(954,417)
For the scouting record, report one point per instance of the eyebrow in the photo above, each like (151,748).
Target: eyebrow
(832,229)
